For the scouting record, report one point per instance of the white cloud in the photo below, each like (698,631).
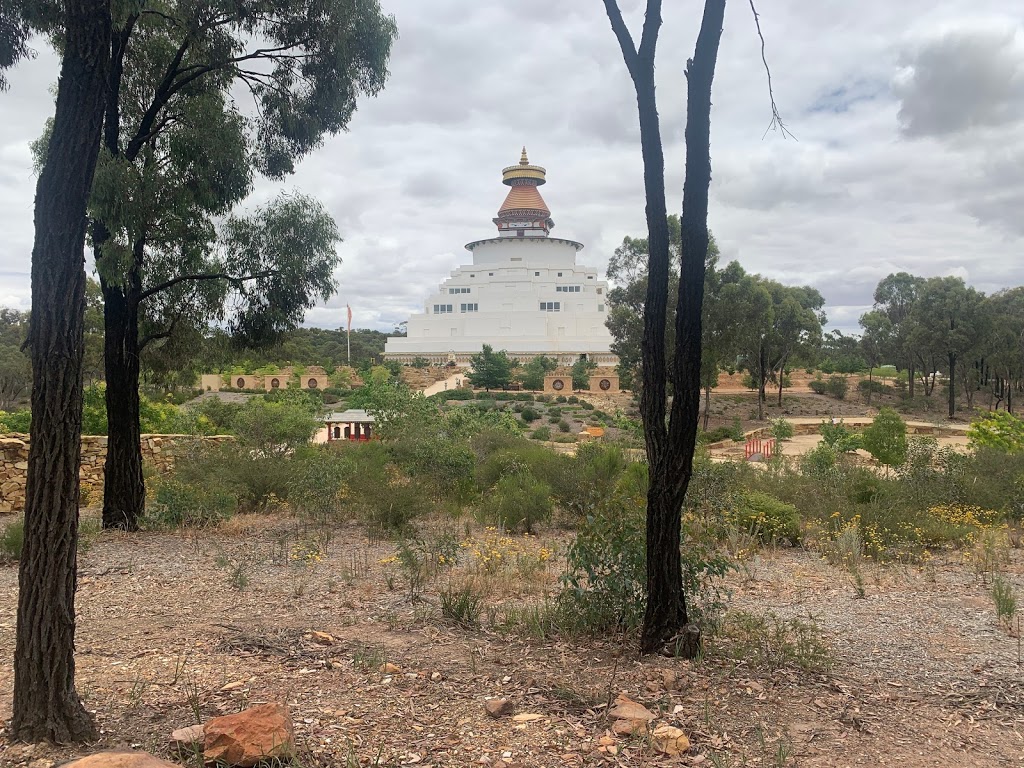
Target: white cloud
(910,151)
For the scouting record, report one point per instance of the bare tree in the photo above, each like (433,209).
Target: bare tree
(46,705)
(670,444)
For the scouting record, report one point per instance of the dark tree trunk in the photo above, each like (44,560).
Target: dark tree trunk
(871,371)
(124,491)
(952,385)
(46,705)
(670,446)
(782,381)
(910,379)
(762,379)
(666,618)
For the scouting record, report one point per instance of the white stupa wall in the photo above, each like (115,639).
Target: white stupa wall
(524,293)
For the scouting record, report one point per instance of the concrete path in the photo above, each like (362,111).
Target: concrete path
(452,382)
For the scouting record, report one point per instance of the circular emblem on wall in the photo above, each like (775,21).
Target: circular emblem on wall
(558,384)
(605,384)
(240,383)
(275,383)
(312,384)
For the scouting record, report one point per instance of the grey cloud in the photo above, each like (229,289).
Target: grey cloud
(961,80)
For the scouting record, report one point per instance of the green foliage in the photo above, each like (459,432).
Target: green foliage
(840,438)
(529,415)
(781,429)
(769,642)
(581,371)
(462,605)
(275,428)
(12,540)
(886,438)
(317,482)
(533,373)
(767,518)
(491,370)
(999,431)
(16,421)
(541,433)
(563,426)
(817,386)
(603,587)
(517,502)
(420,362)
(194,505)
(1005,600)
(837,387)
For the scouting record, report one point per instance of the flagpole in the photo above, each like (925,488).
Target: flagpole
(348,336)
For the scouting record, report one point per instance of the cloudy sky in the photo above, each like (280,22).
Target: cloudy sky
(909,119)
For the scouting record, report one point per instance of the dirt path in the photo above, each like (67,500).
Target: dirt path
(922,674)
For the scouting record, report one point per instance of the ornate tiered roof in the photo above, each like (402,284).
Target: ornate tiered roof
(524,201)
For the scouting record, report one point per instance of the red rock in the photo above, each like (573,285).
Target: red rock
(498,707)
(247,737)
(184,738)
(119,759)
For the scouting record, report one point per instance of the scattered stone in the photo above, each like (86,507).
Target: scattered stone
(527,717)
(669,740)
(670,680)
(323,638)
(498,707)
(120,759)
(233,686)
(628,727)
(185,738)
(389,669)
(247,737)
(627,709)
(435,676)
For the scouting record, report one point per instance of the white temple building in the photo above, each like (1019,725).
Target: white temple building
(524,293)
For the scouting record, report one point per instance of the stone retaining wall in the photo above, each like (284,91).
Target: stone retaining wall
(158,451)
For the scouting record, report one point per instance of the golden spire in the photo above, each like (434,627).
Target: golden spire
(523,173)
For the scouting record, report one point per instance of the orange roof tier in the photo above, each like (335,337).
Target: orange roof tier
(524,198)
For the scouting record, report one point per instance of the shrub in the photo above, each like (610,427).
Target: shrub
(541,433)
(529,415)
(177,503)
(767,518)
(781,429)
(715,435)
(839,437)
(563,426)
(865,386)
(998,430)
(817,386)
(16,421)
(275,428)
(837,386)
(517,502)
(603,585)
(886,438)
(317,484)
(572,399)
(586,406)
(12,540)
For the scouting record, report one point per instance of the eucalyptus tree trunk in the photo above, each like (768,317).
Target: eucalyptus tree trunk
(46,705)
(670,444)
(124,490)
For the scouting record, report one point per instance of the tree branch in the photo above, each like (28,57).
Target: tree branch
(625,39)
(776,124)
(234,279)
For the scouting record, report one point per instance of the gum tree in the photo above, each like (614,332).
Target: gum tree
(46,705)
(177,153)
(670,442)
